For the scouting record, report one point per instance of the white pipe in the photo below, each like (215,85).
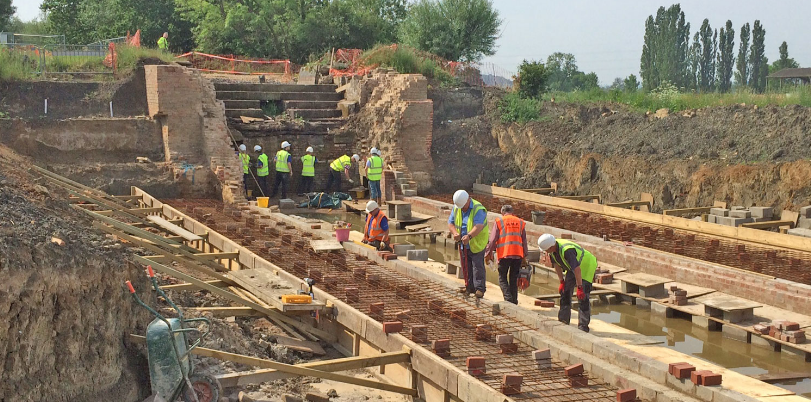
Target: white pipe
(46,105)
(111,108)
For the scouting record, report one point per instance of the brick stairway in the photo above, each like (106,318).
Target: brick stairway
(309,102)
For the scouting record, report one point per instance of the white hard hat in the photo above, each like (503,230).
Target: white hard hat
(257,148)
(309,149)
(371,206)
(460,198)
(356,157)
(374,151)
(242,147)
(546,241)
(285,144)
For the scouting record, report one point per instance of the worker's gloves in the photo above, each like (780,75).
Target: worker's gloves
(364,241)
(351,181)
(581,295)
(561,288)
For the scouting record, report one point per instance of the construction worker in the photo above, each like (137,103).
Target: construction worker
(284,169)
(374,172)
(262,170)
(342,164)
(508,239)
(468,226)
(307,172)
(376,230)
(578,266)
(246,166)
(163,42)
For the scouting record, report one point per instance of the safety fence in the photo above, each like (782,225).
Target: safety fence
(231,65)
(64,59)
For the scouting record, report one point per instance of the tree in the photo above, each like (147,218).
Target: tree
(631,84)
(618,84)
(564,75)
(6,13)
(726,57)
(758,63)
(706,62)
(742,65)
(531,79)
(784,61)
(647,67)
(457,30)
(666,48)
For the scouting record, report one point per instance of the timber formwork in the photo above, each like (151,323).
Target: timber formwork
(411,301)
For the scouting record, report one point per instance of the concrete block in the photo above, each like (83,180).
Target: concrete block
(762,212)
(740,214)
(683,385)
(706,323)
(737,208)
(286,203)
(711,219)
(804,223)
(417,255)
(401,249)
(719,211)
(661,310)
(642,303)
(450,269)
(800,232)
(805,212)
(460,273)
(410,193)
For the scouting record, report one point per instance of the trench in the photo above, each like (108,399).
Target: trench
(676,333)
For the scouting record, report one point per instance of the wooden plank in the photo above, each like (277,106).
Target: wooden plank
(326,245)
(190,286)
(172,228)
(342,88)
(768,224)
(298,370)
(781,377)
(597,197)
(686,211)
(729,303)
(719,204)
(343,364)
(422,233)
(222,312)
(414,228)
(301,346)
(593,293)
(266,286)
(629,204)
(544,190)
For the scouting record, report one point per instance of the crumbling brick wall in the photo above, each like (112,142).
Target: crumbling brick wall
(195,135)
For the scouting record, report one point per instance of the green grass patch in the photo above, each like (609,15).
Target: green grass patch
(515,109)
(129,57)
(407,60)
(17,65)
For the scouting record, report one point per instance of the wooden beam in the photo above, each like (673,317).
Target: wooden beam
(172,228)
(128,197)
(593,293)
(767,224)
(221,312)
(296,370)
(543,190)
(344,364)
(628,204)
(189,286)
(686,211)
(597,197)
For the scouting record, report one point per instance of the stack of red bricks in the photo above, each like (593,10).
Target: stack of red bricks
(678,297)
(603,277)
(387,255)
(684,371)
(786,331)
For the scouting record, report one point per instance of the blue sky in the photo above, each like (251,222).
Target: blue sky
(606,36)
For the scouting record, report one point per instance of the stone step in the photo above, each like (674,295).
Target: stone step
(401,180)
(273,87)
(284,96)
(245,112)
(410,193)
(242,104)
(307,114)
(297,104)
(405,187)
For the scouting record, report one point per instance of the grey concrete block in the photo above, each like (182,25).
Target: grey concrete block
(417,255)
(762,212)
(763,219)
(721,220)
(642,303)
(661,310)
(711,218)
(759,341)
(705,322)
(805,212)
(804,223)
(450,269)
(460,273)
(410,193)
(612,299)
(733,221)
(800,232)
(735,333)
(533,255)
(683,385)
(737,208)
(401,249)
(719,211)
(286,203)
(740,214)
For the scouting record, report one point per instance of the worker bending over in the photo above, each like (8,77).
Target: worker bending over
(284,169)
(374,172)
(508,239)
(262,170)
(468,226)
(376,231)
(342,164)
(163,42)
(245,159)
(307,172)
(578,266)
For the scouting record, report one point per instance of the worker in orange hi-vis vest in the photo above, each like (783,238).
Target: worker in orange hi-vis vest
(508,239)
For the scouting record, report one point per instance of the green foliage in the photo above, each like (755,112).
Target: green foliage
(531,79)
(631,84)
(665,49)
(457,30)
(758,62)
(17,65)
(272,108)
(742,65)
(784,61)
(33,27)
(6,13)
(407,60)
(726,57)
(563,74)
(129,57)
(706,62)
(515,109)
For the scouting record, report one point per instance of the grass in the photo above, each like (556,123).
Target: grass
(17,65)
(407,60)
(515,109)
(129,57)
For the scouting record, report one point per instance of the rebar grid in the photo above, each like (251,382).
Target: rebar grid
(786,264)
(404,299)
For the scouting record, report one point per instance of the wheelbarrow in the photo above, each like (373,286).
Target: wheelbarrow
(169,345)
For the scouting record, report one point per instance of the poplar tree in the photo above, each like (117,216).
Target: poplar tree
(726,57)
(742,66)
(758,63)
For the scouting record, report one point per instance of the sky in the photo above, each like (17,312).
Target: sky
(606,36)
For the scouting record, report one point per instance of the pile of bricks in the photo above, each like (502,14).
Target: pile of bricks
(786,331)
(387,255)
(684,371)
(739,215)
(603,276)
(678,297)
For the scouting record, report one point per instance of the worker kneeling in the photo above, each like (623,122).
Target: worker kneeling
(578,266)
(376,231)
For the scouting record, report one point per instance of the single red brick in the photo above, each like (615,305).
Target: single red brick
(436,305)
(389,257)
(377,307)
(626,395)
(403,315)
(547,304)
(683,372)
(711,379)
(574,369)
(512,379)
(578,382)
(392,327)
(510,389)
(671,366)
(475,362)
(538,302)
(315,226)
(790,326)
(695,376)
(504,339)
(508,348)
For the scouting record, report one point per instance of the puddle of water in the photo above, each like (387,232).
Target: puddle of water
(675,333)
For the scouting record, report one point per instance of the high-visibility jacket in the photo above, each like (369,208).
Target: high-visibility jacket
(375,232)
(588,263)
(246,162)
(510,242)
(308,168)
(263,169)
(281,161)
(163,44)
(375,171)
(341,163)
(479,242)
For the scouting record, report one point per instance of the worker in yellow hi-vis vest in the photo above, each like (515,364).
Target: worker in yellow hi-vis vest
(262,170)
(284,169)
(163,42)
(374,172)
(342,164)
(307,172)
(245,159)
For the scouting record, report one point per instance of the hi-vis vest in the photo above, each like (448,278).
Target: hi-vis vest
(308,168)
(588,263)
(263,170)
(375,171)
(341,163)
(478,243)
(246,162)
(281,161)
(375,232)
(510,243)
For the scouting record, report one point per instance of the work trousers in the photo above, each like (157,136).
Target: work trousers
(306,185)
(263,185)
(334,177)
(281,178)
(508,269)
(245,178)
(569,289)
(473,269)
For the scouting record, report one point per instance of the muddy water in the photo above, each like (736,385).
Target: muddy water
(676,333)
